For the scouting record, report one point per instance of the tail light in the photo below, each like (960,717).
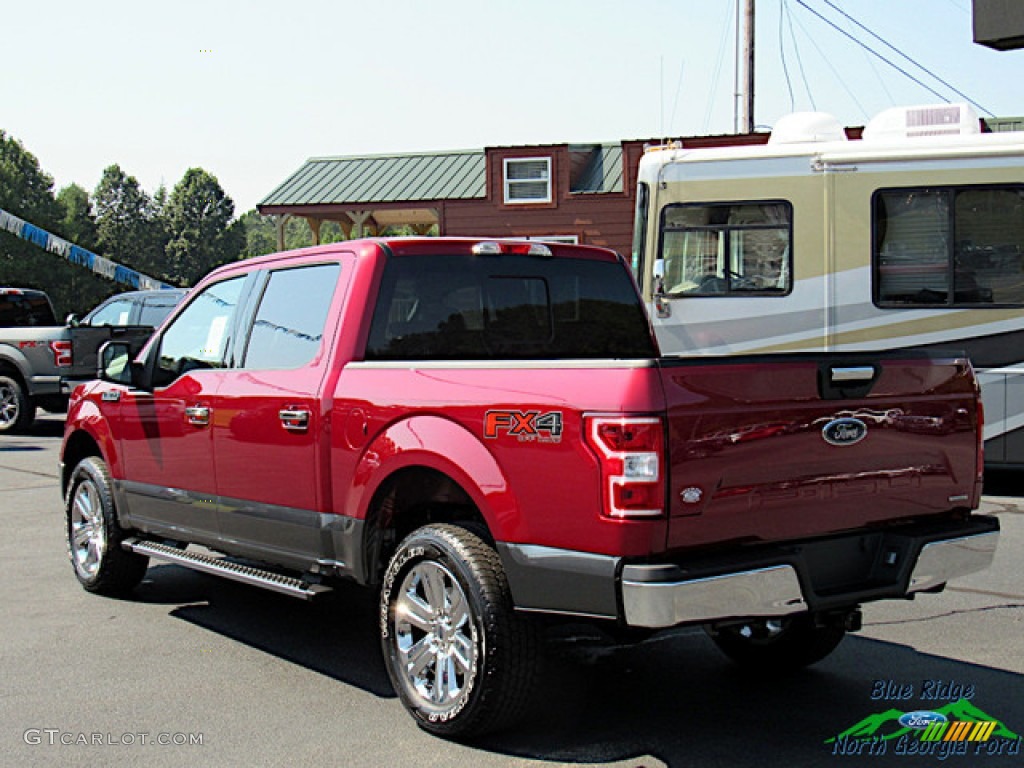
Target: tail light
(632,453)
(61,353)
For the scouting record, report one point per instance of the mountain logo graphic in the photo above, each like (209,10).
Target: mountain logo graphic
(957,721)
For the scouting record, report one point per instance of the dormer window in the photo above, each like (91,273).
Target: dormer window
(527,180)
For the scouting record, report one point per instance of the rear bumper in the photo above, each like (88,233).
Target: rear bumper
(864,567)
(825,574)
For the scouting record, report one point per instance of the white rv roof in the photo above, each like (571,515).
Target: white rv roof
(905,133)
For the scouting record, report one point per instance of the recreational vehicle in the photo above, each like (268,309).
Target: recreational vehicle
(911,236)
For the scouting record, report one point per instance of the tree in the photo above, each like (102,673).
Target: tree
(27,192)
(260,235)
(79,223)
(124,220)
(200,229)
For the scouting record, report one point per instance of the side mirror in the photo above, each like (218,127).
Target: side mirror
(662,307)
(114,363)
(72,320)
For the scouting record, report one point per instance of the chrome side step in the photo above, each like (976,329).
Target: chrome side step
(228,569)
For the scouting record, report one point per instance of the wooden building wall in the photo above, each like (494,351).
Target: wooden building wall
(604,219)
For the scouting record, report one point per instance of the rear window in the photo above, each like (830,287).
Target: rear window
(25,309)
(507,307)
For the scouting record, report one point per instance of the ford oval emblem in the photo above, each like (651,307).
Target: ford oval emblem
(921,719)
(845,431)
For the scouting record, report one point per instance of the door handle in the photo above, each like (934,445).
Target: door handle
(294,420)
(198,415)
(853,373)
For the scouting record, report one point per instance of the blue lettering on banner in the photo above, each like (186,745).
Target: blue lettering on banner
(81,256)
(76,255)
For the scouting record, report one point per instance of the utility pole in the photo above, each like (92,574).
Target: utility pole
(744,121)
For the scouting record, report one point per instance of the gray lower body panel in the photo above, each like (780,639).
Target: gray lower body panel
(295,539)
(561,580)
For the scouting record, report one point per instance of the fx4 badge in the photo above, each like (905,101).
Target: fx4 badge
(845,431)
(527,426)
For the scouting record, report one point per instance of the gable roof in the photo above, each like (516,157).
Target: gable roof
(454,175)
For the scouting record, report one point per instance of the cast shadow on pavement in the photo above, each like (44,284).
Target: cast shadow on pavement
(671,700)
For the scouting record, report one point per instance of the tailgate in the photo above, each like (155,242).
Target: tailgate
(86,341)
(779,448)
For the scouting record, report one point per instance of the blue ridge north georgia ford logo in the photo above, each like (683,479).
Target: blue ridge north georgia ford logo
(845,431)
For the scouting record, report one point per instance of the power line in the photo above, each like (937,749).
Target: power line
(782,53)
(796,50)
(891,63)
(722,47)
(838,75)
(897,50)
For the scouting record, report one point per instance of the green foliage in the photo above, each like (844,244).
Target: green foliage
(176,237)
(128,229)
(25,190)
(261,233)
(201,233)
(79,222)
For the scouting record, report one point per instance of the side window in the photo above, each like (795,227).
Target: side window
(199,336)
(114,313)
(948,246)
(289,324)
(154,310)
(737,249)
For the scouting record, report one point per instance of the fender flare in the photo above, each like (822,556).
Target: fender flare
(92,425)
(437,443)
(11,357)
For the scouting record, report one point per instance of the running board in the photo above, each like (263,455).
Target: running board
(229,570)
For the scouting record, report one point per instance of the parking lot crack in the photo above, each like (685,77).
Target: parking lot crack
(984,609)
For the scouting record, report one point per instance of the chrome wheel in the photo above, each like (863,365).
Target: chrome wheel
(10,406)
(460,658)
(94,535)
(88,532)
(435,637)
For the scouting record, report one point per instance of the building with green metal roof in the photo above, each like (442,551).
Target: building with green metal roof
(570,192)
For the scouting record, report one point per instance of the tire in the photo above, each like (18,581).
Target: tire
(770,646)
(461,660)
(17,411)
(94,536)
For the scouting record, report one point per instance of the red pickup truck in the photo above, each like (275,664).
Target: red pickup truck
(485,433)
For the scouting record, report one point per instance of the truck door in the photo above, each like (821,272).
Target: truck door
(166,435)
(270,418)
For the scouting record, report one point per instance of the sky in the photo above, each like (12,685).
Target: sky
(249,89)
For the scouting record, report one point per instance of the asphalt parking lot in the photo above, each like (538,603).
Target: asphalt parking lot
(196,670)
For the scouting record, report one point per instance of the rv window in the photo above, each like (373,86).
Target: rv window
(734,249)
(949,246)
